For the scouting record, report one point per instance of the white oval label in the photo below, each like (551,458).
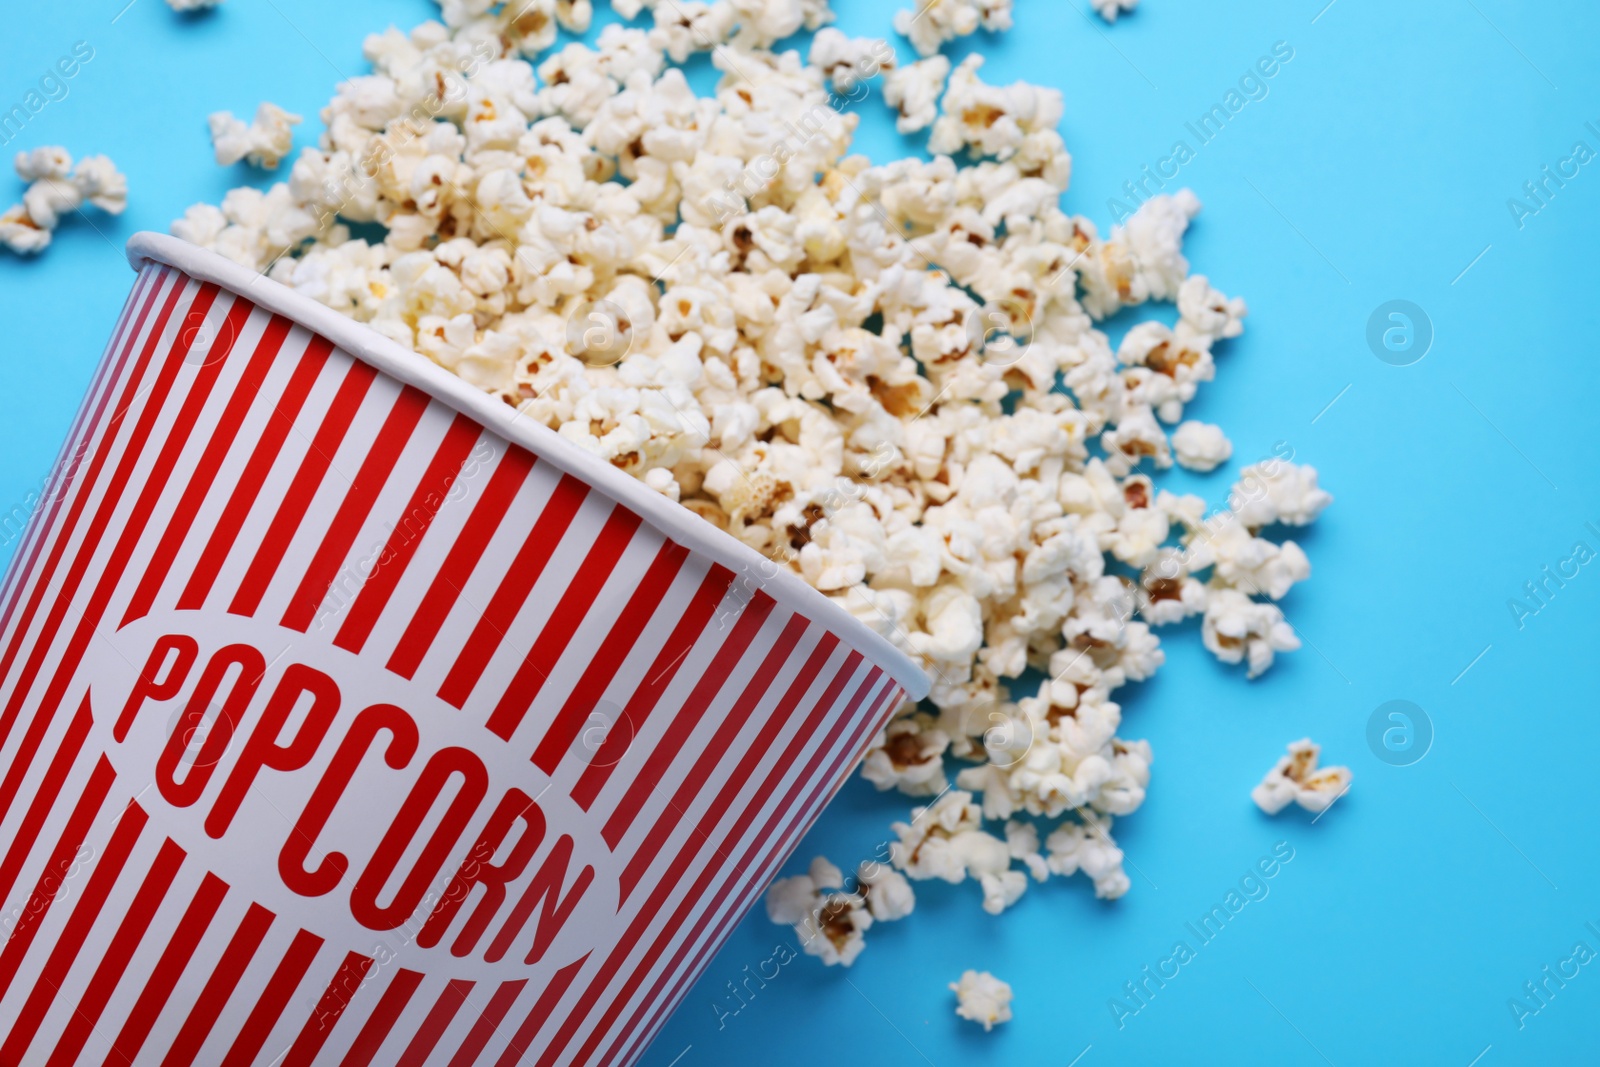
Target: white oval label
(349,800)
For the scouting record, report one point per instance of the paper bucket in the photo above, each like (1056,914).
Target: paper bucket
(348,717)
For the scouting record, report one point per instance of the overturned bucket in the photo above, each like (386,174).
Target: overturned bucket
(347,717)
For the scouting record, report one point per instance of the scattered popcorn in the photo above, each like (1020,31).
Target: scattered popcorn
(847,62)
(263,142)
(1086,846)
(1110,9)
(982,998)
(914,90)
(831,923)
(888,894)
(1200,446)
(992,120)
(1297,779)
(944,841)
(1239,630)
(933,22)
(1260,566)
(890,379)
(56,188)
(909,756)
(1276,491)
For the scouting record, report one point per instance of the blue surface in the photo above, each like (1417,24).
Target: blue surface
(1377,167)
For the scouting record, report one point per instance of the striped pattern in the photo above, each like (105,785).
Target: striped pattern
(228,465)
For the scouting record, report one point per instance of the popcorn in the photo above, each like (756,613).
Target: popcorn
(908,755)
(847,62)
(888,894)
(831,923)
(20,233)
(1277,491)
(1205,312)
(1110,9)
(1237,629)
(789,900)
(1296,779)
(992,120)
(914,90)
(57,187)
(1260,566)
(1200,446)
(933,22)
(714,295)
(263,142)
(1087,846)
(982,998)
(762,23)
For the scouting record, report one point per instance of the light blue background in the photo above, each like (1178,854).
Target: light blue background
(1378,168)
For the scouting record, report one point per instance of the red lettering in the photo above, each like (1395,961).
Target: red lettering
(546,887)
(436,774)
(477,870)
(263,748)
(346,759)
(149,687)
(252,665)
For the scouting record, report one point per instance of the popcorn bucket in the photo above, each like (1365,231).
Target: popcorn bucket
(347,717)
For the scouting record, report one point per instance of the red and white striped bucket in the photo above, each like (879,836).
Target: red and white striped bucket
(348,718)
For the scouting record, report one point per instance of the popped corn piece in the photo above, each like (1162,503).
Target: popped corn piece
(1200,446)
(982,998)
(98,181)
(1167,593)
(909,756)
(57,188)
(1086,846)
(914,91)
(714,295)
(848,62)
(992,120)
(835,931)
(263,142)
(1259,566)
(933,22)
(1297,779)
(20,233)
(1278,491)
(1110,9)
(830,922)
(1239,630)
(50,161)
(763,23)
(889,896)
(661,480)
(1143,258)
(1022,839)
(789,900)
(1205,312)
(682,29)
